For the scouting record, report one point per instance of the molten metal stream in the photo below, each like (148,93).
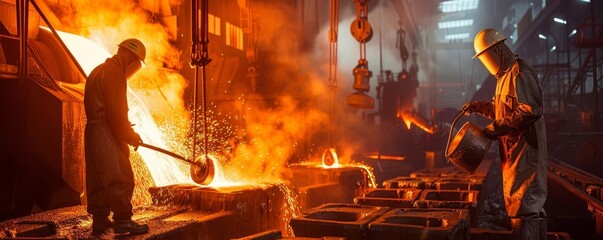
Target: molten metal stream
(410,117)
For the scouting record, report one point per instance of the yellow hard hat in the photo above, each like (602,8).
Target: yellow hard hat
(136,47)
(485,39)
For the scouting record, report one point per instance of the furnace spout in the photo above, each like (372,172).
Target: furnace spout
(411,117)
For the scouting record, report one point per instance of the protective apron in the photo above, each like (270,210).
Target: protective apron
(517,113)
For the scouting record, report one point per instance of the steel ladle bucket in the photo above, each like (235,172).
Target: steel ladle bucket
(468,147)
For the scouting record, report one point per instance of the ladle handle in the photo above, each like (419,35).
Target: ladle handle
(461,113)
(172,154)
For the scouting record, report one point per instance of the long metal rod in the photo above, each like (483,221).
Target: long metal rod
(54,32)
(172,154)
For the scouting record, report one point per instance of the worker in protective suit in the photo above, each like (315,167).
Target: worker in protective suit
(109,175)
(518,125)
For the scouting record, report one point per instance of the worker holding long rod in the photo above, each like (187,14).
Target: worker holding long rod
(109,175)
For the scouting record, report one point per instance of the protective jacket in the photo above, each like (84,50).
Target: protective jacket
(517,113)
(109,176)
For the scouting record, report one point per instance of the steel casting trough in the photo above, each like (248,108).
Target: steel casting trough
(395,198)
(410,182)
(447,199)
(416,223)
(336,220)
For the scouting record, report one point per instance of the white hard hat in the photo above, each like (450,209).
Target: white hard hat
(136,47)
(485,39)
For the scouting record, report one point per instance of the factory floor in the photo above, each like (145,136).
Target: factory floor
(440,203)
(75,223)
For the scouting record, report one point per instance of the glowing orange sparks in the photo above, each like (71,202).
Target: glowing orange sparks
(330,159)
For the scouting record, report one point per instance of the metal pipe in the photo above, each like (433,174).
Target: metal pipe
(594,203)
(194,28)
(568,169)
(204,29)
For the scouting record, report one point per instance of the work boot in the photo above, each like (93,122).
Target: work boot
(516,224)
(542,228)
(100,225)
(543,221)
(129,226)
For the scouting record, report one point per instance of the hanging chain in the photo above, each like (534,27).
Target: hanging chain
(200,58)
(332,81)
(333,34)
(362,19)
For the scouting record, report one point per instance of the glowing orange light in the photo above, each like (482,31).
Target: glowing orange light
(88,54)
(369,171)
(410,117)
(407,122)
(384,157)
(330,159)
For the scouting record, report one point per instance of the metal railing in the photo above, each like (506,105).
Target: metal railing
(576,182)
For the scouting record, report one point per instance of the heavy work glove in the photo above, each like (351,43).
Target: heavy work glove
(489,131)
(134,140)
(469,107)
